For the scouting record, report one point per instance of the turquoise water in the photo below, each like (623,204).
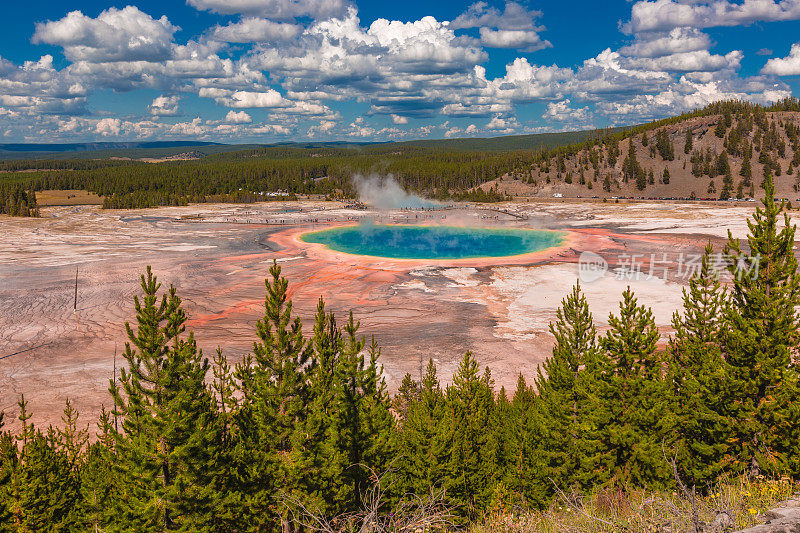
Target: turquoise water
(433,242)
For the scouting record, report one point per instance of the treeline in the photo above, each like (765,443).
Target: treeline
(303,427)
(18,165)
(327,170)
(245,176)
(16,201)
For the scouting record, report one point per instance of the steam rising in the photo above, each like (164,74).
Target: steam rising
(384,192)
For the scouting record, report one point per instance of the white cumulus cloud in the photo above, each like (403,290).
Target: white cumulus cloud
(253,30)
(784,66)
(238,117)
(519,39)
(115,35)
(676,41)
(273,9)
(165,106)
(251,99)
(563,112)
(514,27)
(661,15)
(108,127)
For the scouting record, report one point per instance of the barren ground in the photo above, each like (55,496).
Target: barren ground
(417,310)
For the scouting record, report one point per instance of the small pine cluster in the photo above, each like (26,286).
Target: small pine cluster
(17,202)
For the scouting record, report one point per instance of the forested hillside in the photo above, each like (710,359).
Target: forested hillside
(303,435)
(720,152)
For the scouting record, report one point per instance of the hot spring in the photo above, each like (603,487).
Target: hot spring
(433,242)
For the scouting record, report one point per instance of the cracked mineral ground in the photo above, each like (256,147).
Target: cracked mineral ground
(218,256)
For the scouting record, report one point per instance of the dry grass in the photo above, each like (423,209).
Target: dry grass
(67,197)
(730,506)
(413,514)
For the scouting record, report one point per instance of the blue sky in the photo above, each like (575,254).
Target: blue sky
(278,70)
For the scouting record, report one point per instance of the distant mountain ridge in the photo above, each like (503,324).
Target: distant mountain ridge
(89,146)
(166,149)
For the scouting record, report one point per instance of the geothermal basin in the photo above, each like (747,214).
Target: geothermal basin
(433,242)
(476,296)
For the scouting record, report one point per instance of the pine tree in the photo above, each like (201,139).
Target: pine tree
(641,179)
(407,394)
(162,453)
(721,128)
(687,146)
(665,177)
(97,479)
(695,378)
(631,400)
(71,439)
(746,170)
(347,436)
(664,145)
(222,505)
(563,384)
(376,419)
(15,449)
(727,186)
(507,440)
(9,466)
(631,168)
(607,183)
(612,152)
(469,472)
(274,392)
(224,388)
(49,486)
(362,419)
(761,333)
(722,165)
(28,429)
(525,471)
(313,452)
(40,485)
(419,457)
